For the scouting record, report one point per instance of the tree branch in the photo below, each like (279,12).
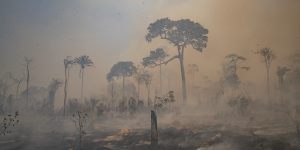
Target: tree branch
(174,57)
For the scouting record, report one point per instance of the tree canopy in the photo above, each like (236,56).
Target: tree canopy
(180,33)
(121,69)
(155,58)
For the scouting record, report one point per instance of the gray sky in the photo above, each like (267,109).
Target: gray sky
(113,30)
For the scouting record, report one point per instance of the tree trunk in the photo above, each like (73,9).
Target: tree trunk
(65,90)
(123,90)
(148,93)
(160,80)
(180,54)
(112,95)
(27,85)
(154,133)
(268,84)
(298,130)
(138,90)
(82,73)
(17,91)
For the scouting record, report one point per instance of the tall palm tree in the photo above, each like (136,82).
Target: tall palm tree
(84,61)
(268,57)
(68,61)
(27,65)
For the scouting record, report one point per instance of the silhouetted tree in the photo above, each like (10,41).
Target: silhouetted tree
(156,58)
(27,65)
(192,69)
(268,57)
(180,33)
(147,78)
(17,81)
(84,61)
(121,69)
(138,78)
(52,88)
(67,64)
(281,71)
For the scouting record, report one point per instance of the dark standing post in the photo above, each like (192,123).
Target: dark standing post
(154,133)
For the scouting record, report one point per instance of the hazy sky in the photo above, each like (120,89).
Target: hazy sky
(113,30)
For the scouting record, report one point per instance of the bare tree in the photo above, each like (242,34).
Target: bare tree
(67,64)
(268,57)
(84,61)
(156,58)
(180,33)
(18,81)
(28,62)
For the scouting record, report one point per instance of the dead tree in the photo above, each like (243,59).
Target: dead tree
(154,133)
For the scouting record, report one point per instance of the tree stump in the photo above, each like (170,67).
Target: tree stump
(154,133)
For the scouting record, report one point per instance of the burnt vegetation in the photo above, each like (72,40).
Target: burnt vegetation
(139,111)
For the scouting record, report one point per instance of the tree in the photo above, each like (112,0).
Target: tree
(281,72)
(121,69)
(139,78)
(67,64)
(84,61)
(180,33)
(156,58)
(52,88)
(268,57)
(147,78)
(18,81)
(192,69)
(28,62)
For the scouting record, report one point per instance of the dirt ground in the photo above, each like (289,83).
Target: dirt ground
(134,134)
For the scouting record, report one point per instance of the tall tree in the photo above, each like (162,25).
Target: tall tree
(268,57)
(180,33)
(84,61)
(28,62)
(110,79)
(122,69)
(156,58)
(68,61)
(18,81)
(147,78)
(139,78)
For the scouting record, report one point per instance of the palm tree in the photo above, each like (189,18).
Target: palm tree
(84,61)
(68,61)
(180,33)
(268,57)
(27,65)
